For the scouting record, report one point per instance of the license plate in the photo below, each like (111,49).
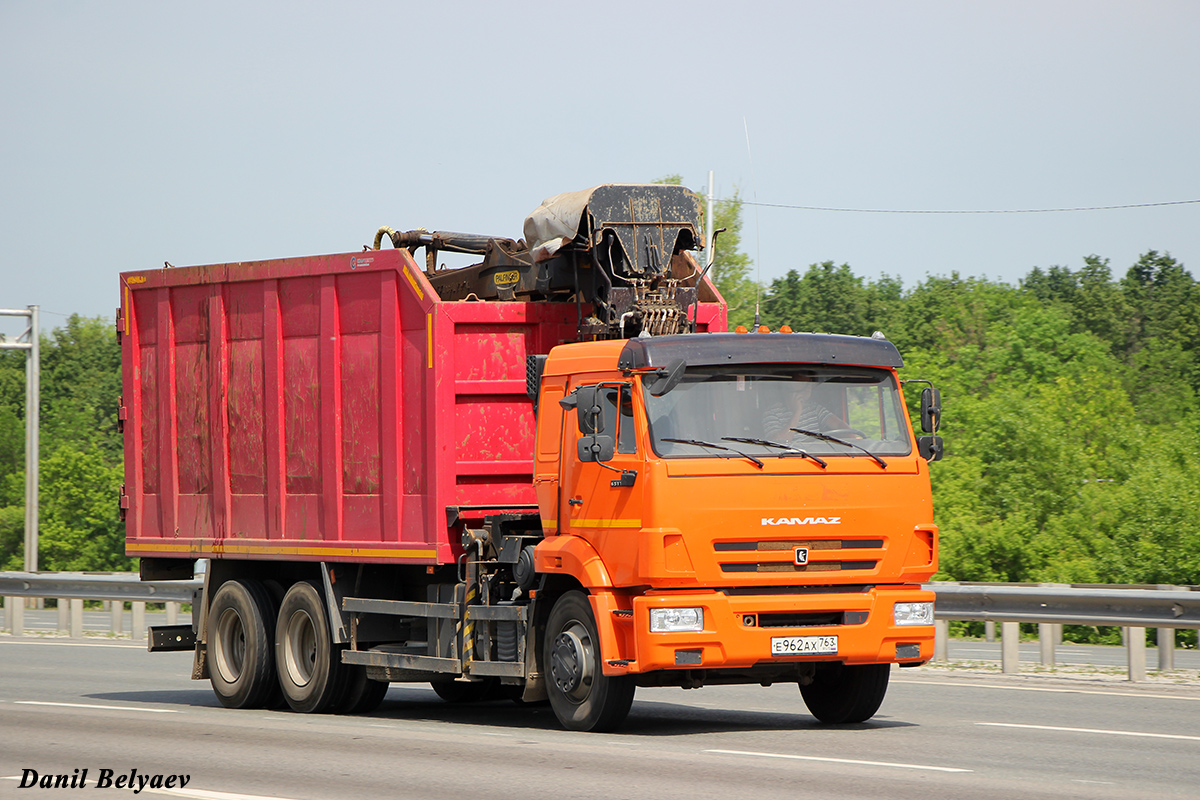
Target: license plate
(803,645)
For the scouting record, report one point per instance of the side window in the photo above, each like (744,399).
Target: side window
(618,417)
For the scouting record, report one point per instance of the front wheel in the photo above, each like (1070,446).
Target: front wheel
(582,696)
(843,693)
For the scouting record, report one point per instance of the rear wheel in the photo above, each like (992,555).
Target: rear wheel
(582,696)
(241,630)
(846,692)
(306,657)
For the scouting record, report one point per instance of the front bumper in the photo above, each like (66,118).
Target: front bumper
(733,638)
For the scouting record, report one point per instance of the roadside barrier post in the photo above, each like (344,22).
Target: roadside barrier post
(1010,654)
(1135,645)
(1046,642)
(15,606)
(118,614)
(138,631)
(77,619)
(1166,641)
(941,640)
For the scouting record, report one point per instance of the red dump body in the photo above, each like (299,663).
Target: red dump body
(328,408)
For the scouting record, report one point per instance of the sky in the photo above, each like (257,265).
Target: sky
(137,133)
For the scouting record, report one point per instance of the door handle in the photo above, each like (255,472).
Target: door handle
(574,502)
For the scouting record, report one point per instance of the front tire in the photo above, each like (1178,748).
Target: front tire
(453,691)
(306,657)
(241,631)
(842,693)
(582,696)
(363,695)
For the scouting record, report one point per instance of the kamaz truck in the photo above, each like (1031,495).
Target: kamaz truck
(546,476)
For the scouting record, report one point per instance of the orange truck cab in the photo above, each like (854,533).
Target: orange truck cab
(725,535)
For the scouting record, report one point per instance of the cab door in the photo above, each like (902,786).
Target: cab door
(601,493)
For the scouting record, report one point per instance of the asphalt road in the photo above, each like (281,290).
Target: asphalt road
(67,706)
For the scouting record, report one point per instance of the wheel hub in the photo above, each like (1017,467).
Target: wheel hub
(571,663)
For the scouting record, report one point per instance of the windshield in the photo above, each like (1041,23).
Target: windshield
(775,410)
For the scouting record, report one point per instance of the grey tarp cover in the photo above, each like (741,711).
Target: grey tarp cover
(555,223)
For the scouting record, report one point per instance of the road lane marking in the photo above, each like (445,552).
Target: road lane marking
(130,646)
(839,760)
(1060,690)
(104,708)
(1091,730)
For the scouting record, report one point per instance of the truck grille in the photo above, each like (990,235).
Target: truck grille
(784,566)
(815,564)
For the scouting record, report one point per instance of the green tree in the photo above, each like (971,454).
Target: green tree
(80,526)
(81,450)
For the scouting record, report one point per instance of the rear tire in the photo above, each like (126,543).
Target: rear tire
(241,631)
(307,659)
(582,696)
(842,693)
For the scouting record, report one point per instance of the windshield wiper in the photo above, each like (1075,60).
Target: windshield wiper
(699,443)
(829,438)
(780,445)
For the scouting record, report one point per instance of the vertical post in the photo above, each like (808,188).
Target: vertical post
(33,374)
(1010,654)
(1135,645)
(62,614)
(139,620)
(941,640)
(77,619)
(172,612)
(1166,649)
(989,631)
(17,618)
(708,221)
(118,616)
(33,380)
(1166,642)
(8,604)
(1046,642)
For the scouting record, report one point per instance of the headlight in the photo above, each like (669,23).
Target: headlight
(672,620)
(913,614)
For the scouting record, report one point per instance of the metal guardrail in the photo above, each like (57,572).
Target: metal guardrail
(95,586)
(75,587)
(1173,607)
(1133,608)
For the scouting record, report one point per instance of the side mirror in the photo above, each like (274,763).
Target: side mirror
(930,447)
(596,447)
(590,417)
(668,377)
(931,410)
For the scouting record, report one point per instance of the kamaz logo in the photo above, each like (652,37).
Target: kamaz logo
(802,521)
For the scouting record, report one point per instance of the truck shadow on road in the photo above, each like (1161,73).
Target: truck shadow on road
(195,698)
(647,717)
